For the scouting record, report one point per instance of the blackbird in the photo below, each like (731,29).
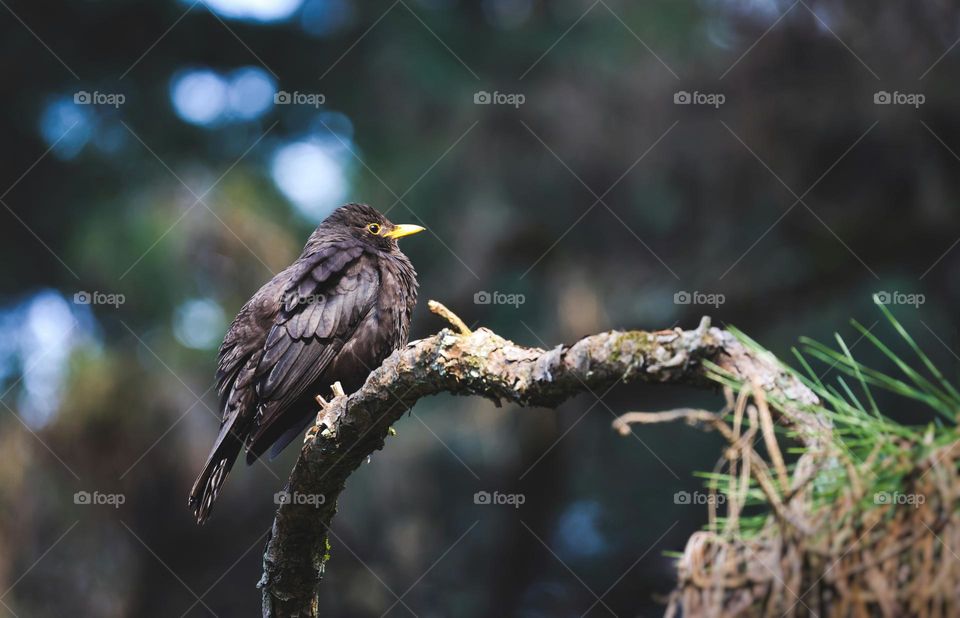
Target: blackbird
(333,315)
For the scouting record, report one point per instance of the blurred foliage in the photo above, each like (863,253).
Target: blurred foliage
(598,199)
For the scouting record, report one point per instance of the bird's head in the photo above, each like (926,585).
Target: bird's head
(367,225)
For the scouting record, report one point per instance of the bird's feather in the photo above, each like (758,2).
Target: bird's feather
(310,334)
(332,315)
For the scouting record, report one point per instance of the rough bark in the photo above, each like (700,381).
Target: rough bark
(350,428)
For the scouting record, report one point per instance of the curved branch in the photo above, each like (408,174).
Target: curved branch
(350,428)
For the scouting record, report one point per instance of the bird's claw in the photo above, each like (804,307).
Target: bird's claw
(315,429)
(336,389)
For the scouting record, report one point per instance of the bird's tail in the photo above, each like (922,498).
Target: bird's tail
(207,486)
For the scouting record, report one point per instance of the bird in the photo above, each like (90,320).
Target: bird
(332,316)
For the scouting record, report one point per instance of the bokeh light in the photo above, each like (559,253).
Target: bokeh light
(207,98)
(578,530)
(38,337)
(311,174)
(254,10)
(199,96)
(198,323)
(66,127)
(250,92)
(324,17)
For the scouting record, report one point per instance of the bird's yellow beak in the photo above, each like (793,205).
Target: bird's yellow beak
(405,229)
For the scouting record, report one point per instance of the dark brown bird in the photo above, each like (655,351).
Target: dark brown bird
(333,315)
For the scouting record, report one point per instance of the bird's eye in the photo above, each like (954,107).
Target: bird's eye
(373,228)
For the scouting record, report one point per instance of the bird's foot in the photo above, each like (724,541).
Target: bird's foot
(315,429)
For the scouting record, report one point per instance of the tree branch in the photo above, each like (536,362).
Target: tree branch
(350,428)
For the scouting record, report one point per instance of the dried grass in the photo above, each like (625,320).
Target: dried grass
(863,552)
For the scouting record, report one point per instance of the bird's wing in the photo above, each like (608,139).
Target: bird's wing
(322,308)
(249,330)
(243,339)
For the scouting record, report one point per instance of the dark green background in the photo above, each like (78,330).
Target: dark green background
(106,399)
